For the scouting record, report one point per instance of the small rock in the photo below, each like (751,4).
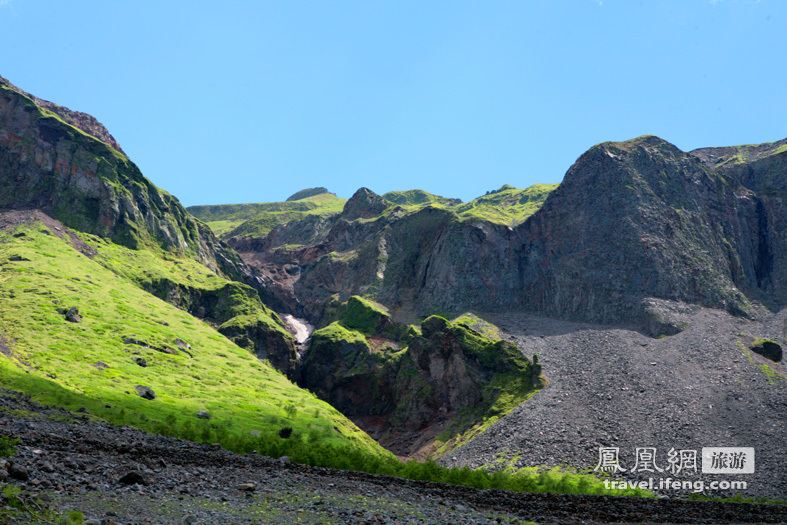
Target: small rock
(145,392)
(203,414)
(72,315)
(92,522)
(18,472)
(3,475)
(255,433)
(101,365)
(245,487)
(141,361)
(189,520)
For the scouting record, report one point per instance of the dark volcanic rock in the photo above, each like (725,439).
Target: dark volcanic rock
(145,392)
(18,472)
(72,315)
(133,477)
(768,349)
(364,204)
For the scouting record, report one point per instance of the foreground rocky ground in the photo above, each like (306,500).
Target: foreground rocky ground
(121,475)
(613,387)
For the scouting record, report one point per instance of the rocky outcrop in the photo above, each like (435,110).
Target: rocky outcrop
(82,121)
(266,338)
(409,391)
(364,204)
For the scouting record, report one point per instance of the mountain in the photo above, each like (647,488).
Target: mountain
(117,301)
(163,320)
(632,224)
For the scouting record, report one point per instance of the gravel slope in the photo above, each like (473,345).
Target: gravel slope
(618,388)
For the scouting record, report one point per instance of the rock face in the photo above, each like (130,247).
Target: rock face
(634,224)
(406,390)
(65,164)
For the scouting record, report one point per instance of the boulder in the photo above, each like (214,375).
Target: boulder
(133,477)
(145,392)
(768,349)
(18,472)
(72,315)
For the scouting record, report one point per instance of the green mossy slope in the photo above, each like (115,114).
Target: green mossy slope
(96,362)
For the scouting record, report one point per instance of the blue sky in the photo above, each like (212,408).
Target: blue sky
(226,102)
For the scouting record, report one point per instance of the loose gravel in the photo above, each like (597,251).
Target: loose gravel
(614,387)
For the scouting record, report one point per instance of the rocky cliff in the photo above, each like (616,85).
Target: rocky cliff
(633,224)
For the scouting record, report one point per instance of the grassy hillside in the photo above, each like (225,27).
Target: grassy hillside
(128,337)
(230,220)
(507,205)
(418,198)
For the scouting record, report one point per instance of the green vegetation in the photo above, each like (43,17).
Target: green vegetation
(478,324)
(91,364)
(254,220)
(336,333)
(308,192)
(25,510)
(365,316)
(7,446)
(418,198)
(507,205)
(396,364)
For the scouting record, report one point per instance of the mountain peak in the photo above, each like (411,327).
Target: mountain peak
(308,192)
(364,204)
(88,124)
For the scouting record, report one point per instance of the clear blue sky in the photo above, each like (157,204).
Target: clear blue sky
(226,102)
